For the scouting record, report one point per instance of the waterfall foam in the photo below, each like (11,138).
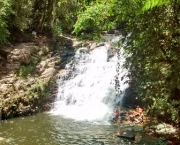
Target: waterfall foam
(86,86)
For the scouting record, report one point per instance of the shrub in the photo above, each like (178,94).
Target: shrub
(25,70)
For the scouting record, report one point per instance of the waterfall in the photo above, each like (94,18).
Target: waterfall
(87,85)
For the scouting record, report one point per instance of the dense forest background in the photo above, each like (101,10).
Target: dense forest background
(151,29)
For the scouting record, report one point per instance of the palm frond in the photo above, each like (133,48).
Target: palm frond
(149,4)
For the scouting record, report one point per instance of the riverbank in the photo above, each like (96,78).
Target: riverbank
(150,131)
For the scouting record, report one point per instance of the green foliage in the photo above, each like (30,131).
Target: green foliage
(34,60)
(4,33)
(56,30)
(149,4)
(94,19)
(37,90)
(25,70)
(21,17)
(5,11)
(43,15)
(67,11)
(50,17)
(153,60)
(159,141)
(103,16)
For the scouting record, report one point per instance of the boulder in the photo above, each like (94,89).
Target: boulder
(22,53)
(93,45)
(42,66)
(48,74)
(128,134)
(13,66)
(77,43)
(163,129)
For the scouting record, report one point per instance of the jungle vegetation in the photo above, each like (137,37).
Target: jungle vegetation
(151,29)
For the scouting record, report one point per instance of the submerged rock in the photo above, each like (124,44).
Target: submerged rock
(2,140)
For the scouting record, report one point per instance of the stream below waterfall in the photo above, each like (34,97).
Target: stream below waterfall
(83,108)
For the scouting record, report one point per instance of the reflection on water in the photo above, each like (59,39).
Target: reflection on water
(43,129)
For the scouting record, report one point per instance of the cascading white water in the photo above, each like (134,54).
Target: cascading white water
(87,86)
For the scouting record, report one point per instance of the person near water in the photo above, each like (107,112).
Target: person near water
(139,111)
(131,116)
(139,114)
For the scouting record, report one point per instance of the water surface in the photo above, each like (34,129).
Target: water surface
(46,129)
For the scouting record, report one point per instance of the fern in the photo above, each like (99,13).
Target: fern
(149,4)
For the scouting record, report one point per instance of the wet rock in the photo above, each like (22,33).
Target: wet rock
(109,45)
(48,74)
(83,50)
(47,107)
(128,134)
(111,50)
(164,128)
(93,46)
(77,44)
(100,44)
